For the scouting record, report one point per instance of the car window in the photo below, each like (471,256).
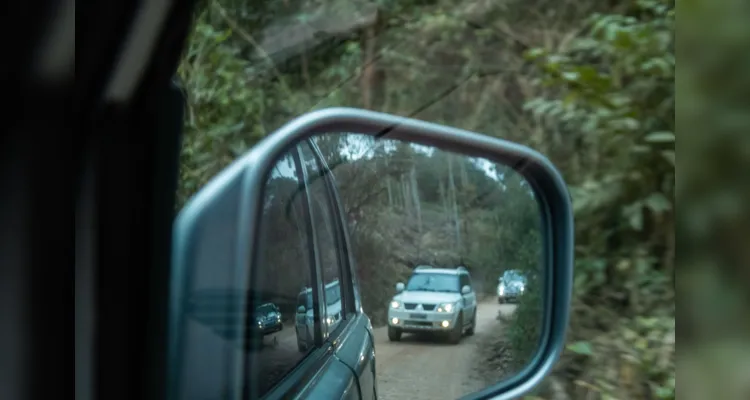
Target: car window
(265,309)
(465,280)
(282,271)
(514,276)
(305,299)
(433,283)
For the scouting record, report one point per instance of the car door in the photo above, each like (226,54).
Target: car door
(350,330)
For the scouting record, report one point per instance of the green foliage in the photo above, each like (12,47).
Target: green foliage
(614,90)
(220,98)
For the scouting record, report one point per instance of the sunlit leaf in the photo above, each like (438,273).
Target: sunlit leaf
(660,137)
(658,203)
(669,156)
(583,348)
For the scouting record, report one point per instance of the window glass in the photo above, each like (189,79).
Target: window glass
(281,333)
(327,240)
(433,282)
(464,280)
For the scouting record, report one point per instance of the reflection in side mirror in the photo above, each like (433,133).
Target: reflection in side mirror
(406,190)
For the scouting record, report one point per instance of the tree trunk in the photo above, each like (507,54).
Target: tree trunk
(405,191)
(415,199)
(368,79)
(443,197)
(388,184)
(453,197)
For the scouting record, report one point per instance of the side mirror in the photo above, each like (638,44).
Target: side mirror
(465,289)
(400,287)
(223,227)
(301,310)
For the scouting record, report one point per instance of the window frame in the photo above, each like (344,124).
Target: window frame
(296,378)
(349,267)
(465,279)
(348,309)
(318,286)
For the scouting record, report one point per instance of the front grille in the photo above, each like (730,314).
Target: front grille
(419,323)
(426,307)
(513,290)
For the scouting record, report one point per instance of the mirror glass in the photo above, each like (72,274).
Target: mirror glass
(470,313)
(441,251)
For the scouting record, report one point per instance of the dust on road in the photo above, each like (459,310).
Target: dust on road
(429,368)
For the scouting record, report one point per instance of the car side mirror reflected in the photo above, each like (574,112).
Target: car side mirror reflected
(226,224)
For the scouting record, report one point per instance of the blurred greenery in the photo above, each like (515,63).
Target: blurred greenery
(591,85)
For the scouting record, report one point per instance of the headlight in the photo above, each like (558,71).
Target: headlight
(446,307)
(395,304)
(501,289)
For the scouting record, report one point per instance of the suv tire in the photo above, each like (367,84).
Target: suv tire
(394,334)
(470,331)
(454,337)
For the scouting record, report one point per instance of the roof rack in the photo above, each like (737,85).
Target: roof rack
(462,268)
(422,267)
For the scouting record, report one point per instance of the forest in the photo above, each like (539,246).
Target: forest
(589,84)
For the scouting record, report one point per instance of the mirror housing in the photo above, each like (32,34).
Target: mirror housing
(465,289)
(219,225)
(400,287)
(301,310)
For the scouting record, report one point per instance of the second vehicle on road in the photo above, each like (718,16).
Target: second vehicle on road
(434,300)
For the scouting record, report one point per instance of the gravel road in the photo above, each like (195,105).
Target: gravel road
(424,368)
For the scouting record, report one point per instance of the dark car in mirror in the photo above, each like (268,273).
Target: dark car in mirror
(511,285)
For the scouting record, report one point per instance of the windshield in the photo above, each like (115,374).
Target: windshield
(433,283)
(513,276)
(265,309)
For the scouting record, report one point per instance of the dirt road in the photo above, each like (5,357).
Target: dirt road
(415,368)
(423,368)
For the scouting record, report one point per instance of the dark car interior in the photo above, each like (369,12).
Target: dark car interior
(129,113)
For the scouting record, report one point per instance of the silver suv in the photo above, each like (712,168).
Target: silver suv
(434,300)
